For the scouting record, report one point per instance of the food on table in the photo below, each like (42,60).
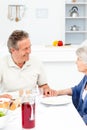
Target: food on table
(12,105)
(2,113)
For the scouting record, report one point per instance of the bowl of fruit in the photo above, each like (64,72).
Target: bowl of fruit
(3,118)
(3,112)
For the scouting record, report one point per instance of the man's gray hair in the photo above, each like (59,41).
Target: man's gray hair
(16,36)
(82,53)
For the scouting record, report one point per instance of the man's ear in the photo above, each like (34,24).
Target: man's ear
(12,50)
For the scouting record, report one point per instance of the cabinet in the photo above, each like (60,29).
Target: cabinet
(75,21)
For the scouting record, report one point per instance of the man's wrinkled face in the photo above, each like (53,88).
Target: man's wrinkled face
(21,54)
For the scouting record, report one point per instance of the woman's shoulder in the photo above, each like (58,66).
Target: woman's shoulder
(85,78)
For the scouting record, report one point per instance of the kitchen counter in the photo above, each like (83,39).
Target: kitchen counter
(51,53)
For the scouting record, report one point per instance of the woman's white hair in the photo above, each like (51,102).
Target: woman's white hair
(84,43)
(82,53)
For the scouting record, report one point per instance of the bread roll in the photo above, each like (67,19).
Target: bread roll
(10,105)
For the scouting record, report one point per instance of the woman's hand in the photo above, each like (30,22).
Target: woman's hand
(50,92)
(47,91)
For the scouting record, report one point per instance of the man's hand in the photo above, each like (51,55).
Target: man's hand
(6,96)
(47,91)
(50,92)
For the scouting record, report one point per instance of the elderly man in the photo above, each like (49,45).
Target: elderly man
(20,70)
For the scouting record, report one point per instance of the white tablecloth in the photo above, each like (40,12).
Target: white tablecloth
(64,117)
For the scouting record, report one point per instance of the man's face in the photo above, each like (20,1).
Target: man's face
(22,54)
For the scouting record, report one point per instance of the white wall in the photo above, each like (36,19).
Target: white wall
(62,75)
(42,30)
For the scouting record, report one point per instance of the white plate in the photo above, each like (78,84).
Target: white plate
(4,100)
(59,100)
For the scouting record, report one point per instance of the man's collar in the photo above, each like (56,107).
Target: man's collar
(12,64)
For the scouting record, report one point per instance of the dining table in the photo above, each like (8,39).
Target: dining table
(48,117)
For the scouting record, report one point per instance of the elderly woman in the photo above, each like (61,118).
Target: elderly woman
(79,92)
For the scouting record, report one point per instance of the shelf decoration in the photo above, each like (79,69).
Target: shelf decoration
(75,21)
(74,28)
(74,0)
(16,12)
(74,11)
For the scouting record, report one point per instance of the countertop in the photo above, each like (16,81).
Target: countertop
(49,53)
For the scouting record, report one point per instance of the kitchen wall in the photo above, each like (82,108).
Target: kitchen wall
(43,19)
(62,75)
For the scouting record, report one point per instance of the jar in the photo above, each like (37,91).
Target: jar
(28,111)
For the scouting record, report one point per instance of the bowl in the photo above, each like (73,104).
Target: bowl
(4,102)
(3,118)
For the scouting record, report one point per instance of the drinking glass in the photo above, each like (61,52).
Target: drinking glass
(37,93)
